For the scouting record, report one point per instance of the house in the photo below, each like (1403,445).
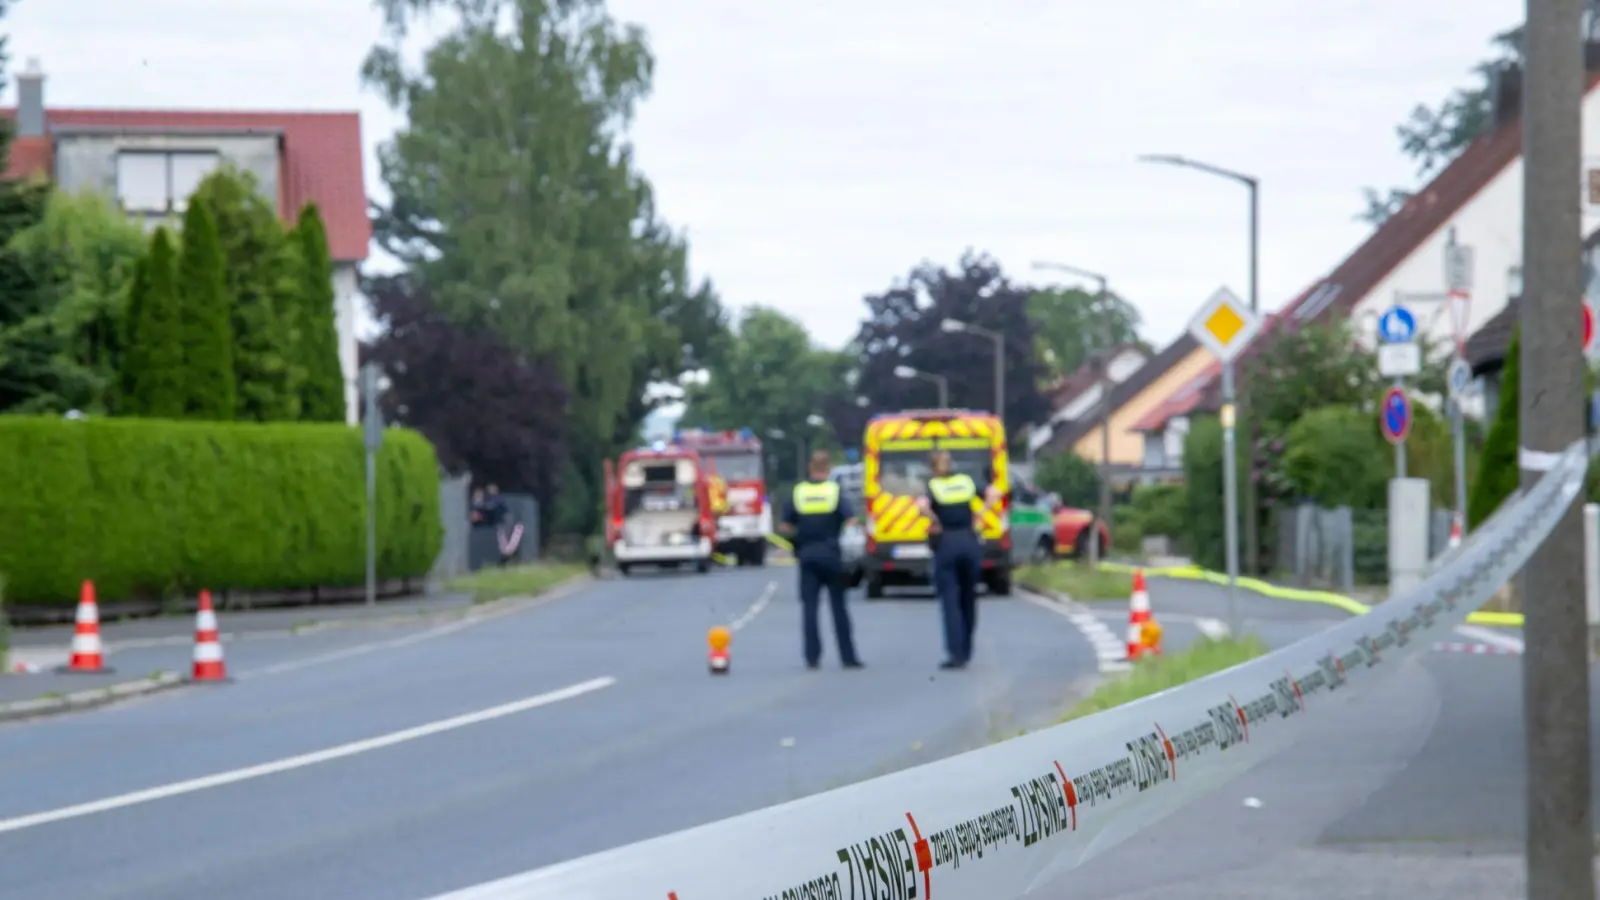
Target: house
(1127,405)
(151,160)
(1078,393)
(1476,201)
(1486,348)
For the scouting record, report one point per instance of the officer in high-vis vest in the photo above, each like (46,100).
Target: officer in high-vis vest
(951,506)
(816,515)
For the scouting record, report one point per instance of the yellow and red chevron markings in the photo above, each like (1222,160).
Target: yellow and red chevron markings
(897,518)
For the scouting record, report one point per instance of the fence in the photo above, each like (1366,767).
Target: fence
(1340,547)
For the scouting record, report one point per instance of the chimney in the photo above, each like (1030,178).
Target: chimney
(30,100)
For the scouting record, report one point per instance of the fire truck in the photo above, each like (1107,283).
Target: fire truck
(659,509)
(739,487)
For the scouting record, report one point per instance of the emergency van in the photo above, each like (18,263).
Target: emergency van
(896,465)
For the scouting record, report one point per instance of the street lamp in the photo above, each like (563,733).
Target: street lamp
(1253,184)
(1102,298)
(956,326)
(799,449)
(940,381)
(1249,181)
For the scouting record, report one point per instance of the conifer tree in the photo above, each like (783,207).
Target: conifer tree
(1498,473)
(160,389)
(206,319)
(322,395)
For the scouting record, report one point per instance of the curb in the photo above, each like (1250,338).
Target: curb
(89,699)
(1326,598)
(93,698)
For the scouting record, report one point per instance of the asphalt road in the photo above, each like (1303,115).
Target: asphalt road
(449,756)
(1418,796)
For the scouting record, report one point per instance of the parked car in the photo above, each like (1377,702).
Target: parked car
(1043,528)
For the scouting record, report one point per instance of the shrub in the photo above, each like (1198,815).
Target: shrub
(1202,470)
(1498,473)
(1336,457)
(146,508)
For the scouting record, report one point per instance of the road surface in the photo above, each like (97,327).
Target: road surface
(1417,796)
(417,760)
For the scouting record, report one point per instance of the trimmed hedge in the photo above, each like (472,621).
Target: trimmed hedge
(150,508)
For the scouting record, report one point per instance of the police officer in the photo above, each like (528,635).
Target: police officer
(950,505)
(814,519)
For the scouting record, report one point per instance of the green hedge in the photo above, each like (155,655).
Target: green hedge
(150,508)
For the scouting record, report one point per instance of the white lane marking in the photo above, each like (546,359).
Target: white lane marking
(305,759)
(1215,629)
(295,665)
(1493,638)
(749,615)
(1111,654)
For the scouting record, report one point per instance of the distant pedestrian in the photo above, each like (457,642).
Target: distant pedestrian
(951,505)
(817,513)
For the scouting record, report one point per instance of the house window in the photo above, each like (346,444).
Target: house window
(1155,456)
(160,182)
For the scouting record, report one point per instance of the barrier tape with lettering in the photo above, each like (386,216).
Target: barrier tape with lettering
(995,822)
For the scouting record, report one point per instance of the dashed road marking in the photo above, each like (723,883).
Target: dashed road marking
(1493,638)
(305,759)
(749,615)
(1111,653)
(1215,629)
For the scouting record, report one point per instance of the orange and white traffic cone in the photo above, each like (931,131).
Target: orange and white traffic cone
(208,662)
(1455,531)
(88,655)
(1138,617)
(719,638)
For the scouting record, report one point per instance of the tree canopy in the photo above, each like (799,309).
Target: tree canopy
(1074,324)
(903,328)
(486,408)
(516,200)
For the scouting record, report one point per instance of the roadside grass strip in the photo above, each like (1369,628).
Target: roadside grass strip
(492,584)
(1327,598)
(1081,583)
(1153,675)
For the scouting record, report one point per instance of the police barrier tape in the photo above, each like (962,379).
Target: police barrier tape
(996,822)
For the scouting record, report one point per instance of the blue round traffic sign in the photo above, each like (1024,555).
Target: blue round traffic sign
(1395,415)
(1397,325)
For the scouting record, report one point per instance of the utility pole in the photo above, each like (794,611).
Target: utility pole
(1560,822)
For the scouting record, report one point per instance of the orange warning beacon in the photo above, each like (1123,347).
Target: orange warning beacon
(719,638)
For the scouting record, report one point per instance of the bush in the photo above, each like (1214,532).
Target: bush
(147,508)
(1202,469)
(1498,472)
(1336,457)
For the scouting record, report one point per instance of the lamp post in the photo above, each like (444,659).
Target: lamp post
(956,326)
(799,450)
(1101,297)
(940,381)
(1253,185)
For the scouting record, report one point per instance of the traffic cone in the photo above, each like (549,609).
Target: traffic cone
(1455,531)
(208,662)
(88,655)
(719,638)
(1138,616)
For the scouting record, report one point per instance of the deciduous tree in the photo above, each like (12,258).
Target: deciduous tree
(488,409)
(205,319)
(903,328)
(1073,324)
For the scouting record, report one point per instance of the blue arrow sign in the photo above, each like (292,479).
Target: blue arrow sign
(1395,415)
(1397,326)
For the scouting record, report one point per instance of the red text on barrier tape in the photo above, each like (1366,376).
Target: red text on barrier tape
(924,857)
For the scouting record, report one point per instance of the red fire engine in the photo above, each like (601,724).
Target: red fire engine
(744,513)
(659,509)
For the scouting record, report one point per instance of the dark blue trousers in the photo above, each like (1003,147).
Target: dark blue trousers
(824,568)
(956,565)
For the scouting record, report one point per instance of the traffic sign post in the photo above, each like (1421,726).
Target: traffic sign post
(1225,325)
(1397,325)
(1394,416)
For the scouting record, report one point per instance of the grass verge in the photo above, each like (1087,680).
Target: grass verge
(1156,674)
(1078,582)
(491,584)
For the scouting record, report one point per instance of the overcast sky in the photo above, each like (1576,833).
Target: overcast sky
(816,154)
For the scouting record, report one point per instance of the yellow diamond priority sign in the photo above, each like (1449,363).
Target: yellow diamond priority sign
(1224,325)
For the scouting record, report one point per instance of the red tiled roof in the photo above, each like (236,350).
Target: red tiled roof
(321,159)
(1401,234)
(29,156)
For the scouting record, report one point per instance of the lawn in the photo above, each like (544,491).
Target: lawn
(1155,674)
(1078,581)
(490,584)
